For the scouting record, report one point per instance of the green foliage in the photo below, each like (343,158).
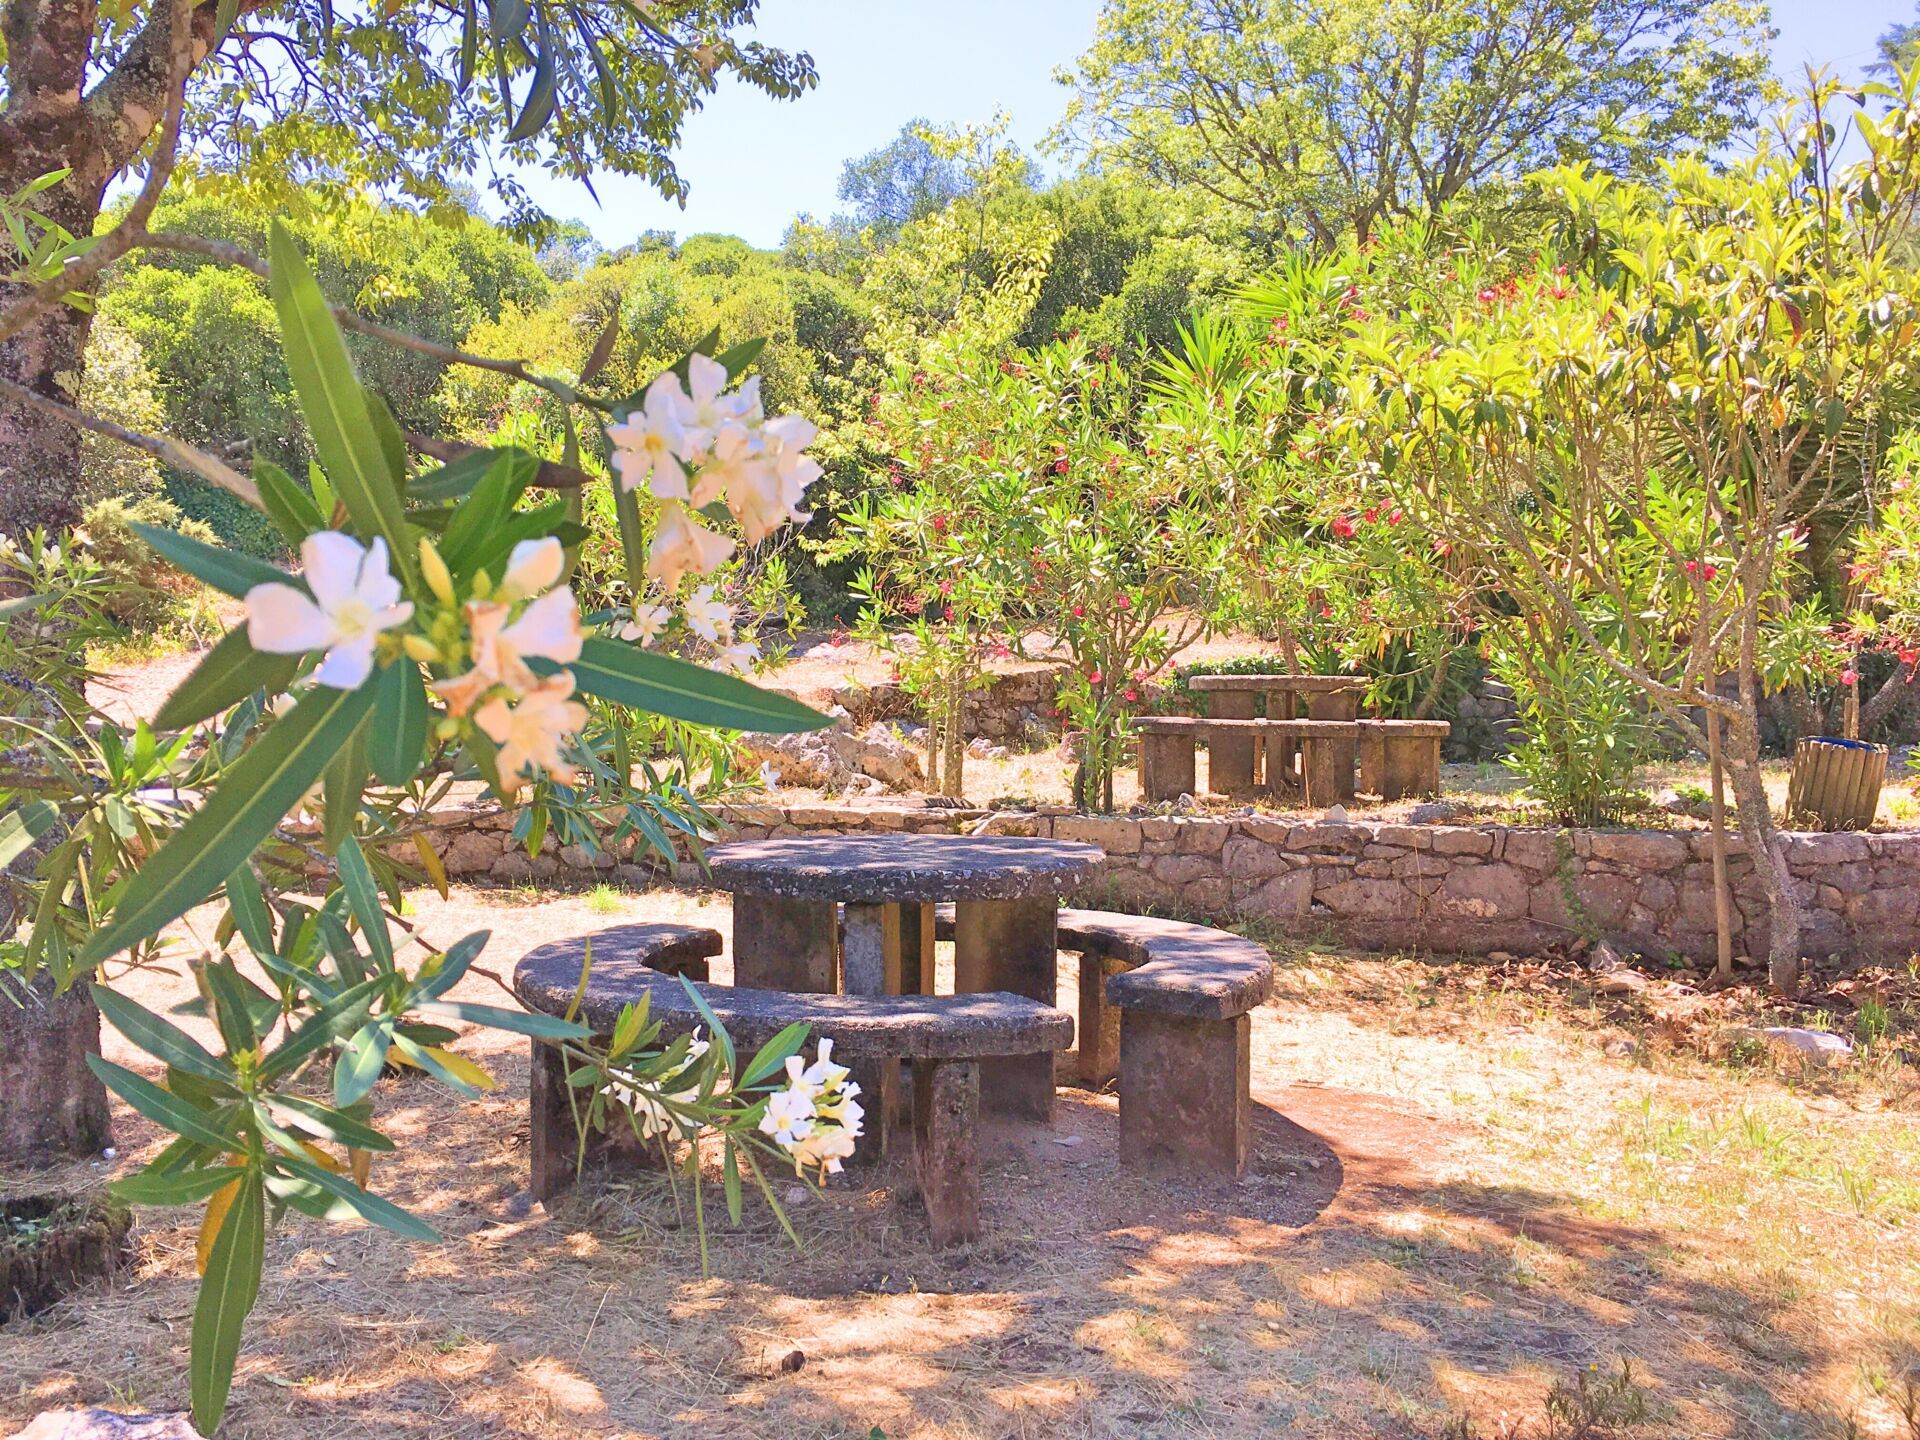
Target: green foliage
(1129,265)
(143,592)
(976,266)
(1624,434)
(577,91)
(906,179)
(56,602)
(208,332)
(1584,730)
(121,387)
(1028,493)
(1314,119)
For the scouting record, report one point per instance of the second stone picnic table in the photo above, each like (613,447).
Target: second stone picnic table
(1328,697)
(789,932)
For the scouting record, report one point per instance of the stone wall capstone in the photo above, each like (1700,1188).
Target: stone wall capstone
(1439,887)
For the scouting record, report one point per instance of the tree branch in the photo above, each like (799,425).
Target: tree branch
(79,274)
(181,457)
(231,254)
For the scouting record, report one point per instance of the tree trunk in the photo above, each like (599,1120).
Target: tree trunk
(40,453)
(1786,917)
(953,762)
(1900,687)
(51,1104)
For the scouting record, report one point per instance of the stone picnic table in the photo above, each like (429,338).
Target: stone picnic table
(1326,697)
(790,933)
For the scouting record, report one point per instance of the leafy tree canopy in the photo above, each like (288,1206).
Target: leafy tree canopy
(1314,118)
(1899,45)
(903,180)
(405,97)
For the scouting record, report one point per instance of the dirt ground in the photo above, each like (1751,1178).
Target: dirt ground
(1468,1189)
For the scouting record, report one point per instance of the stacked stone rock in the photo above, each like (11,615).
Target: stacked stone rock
(1007,709)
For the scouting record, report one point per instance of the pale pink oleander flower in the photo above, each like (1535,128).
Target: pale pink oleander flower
(531,731)
(547,629)
(682,544)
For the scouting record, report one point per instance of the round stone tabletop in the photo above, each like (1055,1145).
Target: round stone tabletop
(888,869)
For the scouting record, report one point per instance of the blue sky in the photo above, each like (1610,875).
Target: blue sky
(754,163)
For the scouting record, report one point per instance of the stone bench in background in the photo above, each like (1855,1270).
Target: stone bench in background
(1397,758)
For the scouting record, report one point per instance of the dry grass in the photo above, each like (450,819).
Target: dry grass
(1458,1199)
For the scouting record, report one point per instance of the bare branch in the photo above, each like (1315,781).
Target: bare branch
(231,254)
(181,457)
(550,476)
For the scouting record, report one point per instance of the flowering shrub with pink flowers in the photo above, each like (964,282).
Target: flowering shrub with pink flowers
(1626,442)
(1030,496)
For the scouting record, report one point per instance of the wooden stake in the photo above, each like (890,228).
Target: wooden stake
(1722,897)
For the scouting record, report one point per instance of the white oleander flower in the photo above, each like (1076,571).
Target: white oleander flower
(682,544)
(711,410)
(533,566)
(354,597)
(815,1119)
(823,1074)
(739,657)
(652,441)
(824,1147)
(647,622)
(710,619)
(788,1118)
(769,777)
(650,1115)
(531,732)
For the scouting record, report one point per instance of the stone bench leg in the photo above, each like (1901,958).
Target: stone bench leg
(1338,705)
(1373,764)
(1166,767)
(1010,945)
(1099,1027)
(946,1147)
(552,1141)
(1230,757)
(785,944)
(1184,1100)
(871,964)
(916,949)
(1279,772)
(1410,765)
(1320,772)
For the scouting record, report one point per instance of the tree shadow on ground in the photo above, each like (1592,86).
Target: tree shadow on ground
(1368,1277)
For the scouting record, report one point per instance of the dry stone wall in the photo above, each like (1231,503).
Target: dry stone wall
(1441,887)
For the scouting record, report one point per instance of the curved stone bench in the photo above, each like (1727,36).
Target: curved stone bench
(1164,1005)
(944,1037)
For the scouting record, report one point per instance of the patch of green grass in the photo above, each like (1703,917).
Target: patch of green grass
(604,900)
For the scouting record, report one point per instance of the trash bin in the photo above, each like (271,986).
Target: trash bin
(1835,783)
